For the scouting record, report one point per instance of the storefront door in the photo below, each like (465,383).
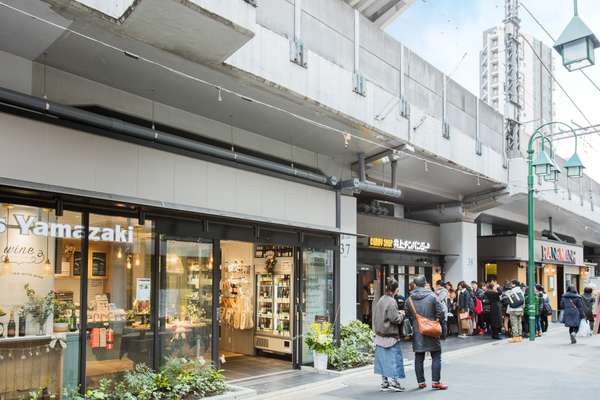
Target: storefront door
(185,299)
(316,294)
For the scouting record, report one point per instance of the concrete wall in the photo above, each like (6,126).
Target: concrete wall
(51,155)
(328,36)
(459,242)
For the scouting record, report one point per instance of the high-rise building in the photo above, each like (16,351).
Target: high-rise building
(536,87)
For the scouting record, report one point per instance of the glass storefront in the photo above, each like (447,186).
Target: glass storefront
(39,300)
(76,309)
(119,318)
(185,301)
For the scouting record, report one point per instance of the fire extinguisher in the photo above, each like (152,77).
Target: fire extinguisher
(110,338)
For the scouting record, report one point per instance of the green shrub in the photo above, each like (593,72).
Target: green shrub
(178,379)
(356,348)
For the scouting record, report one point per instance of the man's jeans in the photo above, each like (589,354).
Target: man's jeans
(515,323)
(436,366)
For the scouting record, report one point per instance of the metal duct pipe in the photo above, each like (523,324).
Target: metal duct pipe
(139,132)
(551,231)
(355,185)
(394,166)
(362,168)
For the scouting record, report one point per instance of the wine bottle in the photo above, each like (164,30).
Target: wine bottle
(22,325)
(12,327)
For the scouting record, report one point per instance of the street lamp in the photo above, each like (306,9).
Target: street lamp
(576,44)
(545,166)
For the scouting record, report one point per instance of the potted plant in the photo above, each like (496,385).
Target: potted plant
(61,315)
(320,340)
(40,308)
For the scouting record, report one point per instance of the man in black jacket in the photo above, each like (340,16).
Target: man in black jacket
(427,305)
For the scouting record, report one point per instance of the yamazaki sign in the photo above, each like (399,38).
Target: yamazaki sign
(29,225)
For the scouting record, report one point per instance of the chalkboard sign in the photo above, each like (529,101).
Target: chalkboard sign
(77,263)
(98,264)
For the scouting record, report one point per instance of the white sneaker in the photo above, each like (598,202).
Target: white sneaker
(395,386)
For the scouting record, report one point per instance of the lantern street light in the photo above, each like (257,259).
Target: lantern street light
(544,165)
(576,44)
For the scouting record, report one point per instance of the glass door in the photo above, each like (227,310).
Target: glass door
(316,294)
(185,317)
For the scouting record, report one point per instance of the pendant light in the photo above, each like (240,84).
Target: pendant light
(47,263)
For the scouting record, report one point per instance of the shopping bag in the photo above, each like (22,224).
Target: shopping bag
(584,328)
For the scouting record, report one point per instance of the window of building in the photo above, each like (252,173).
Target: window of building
(40,270)
(119,334)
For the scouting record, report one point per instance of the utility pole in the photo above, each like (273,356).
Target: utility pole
(512,81)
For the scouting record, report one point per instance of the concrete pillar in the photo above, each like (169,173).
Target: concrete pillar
(348,260)
(459,242)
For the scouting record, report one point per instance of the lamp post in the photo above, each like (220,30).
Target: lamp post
(544,166)
(577,43)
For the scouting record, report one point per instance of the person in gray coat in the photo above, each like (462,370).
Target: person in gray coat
(426,305)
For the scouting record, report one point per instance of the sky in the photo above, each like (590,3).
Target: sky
(442,31)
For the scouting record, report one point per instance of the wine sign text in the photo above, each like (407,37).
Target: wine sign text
(30,225)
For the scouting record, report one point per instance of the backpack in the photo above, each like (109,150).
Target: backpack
(478,306)
(515,300)
(487,306)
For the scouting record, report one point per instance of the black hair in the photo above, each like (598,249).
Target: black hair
(391,284)
(588,290)
(572,289)
(440,282)
(516,282)
(540,288)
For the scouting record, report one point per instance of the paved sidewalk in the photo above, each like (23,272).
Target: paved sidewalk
(549,368)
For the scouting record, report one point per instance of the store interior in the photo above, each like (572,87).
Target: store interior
(256,309)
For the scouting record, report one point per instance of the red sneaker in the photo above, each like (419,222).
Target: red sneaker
(422,385)
(439,386)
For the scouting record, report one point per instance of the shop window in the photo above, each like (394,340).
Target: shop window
(119,329)
(39,300)
(185,303)
(317,270)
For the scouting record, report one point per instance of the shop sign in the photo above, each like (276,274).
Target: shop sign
(29,225)
(559,254)
(398,244)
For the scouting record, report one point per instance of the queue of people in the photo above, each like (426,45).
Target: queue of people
(472,309)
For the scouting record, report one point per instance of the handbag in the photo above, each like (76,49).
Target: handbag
(426,326)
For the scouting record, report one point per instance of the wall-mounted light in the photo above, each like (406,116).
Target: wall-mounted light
(119,254)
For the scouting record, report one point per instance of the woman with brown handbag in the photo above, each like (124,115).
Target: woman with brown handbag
(426,314)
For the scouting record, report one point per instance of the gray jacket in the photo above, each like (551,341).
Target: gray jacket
(442,295)
(387,318)
(427,305)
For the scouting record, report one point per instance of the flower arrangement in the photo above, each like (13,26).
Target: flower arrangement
(270,264)
(61,310)
(40,308)
(320,337)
